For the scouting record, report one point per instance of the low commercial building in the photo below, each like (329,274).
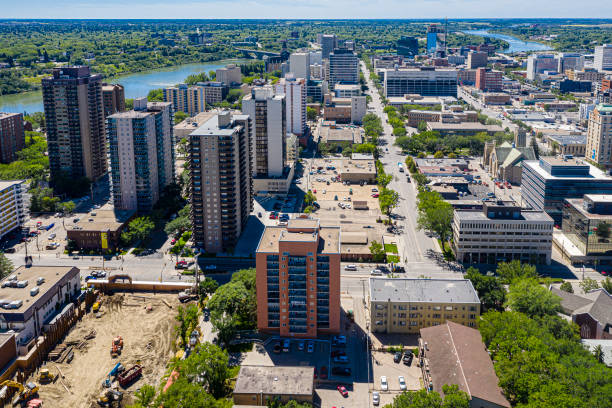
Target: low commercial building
(454,354)
(568,145)
(358,171)
(417,116)
(408,305)
(502,232)
(99,230)
(495,98)
(32,297)
(13,207)
(279,185)
(262,385)
(466,128)
(415,99)
(334,134)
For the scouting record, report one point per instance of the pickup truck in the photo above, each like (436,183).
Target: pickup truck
(126,377)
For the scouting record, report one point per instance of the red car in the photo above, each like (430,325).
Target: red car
(173,241)
(323,373)
(375,195)
(342,390)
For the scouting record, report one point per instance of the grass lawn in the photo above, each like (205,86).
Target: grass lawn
(393,258)
(391,248)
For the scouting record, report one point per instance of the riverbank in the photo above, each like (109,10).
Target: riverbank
(516,44)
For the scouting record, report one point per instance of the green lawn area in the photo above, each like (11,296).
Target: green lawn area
(393,258)
(391,248)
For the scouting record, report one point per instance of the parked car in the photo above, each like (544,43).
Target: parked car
(286,345)
(402,383)
(407,359)
(342,371)
(375,398)
(350,267)
(376,272)
(384,385)
(341,360)
(301,345)
(336,353)
(342,390)
(323,373)
(52,235)
(277,347)
(181,265)
(310,348)
(397,357)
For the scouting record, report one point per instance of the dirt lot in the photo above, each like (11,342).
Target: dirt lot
(147,339)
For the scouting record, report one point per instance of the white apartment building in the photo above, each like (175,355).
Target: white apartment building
(538,63)
(13,213)
(358,109)
(502,232)
(299,65)
(603,58)
(230,74)
(294,89)
(599,136)
(571,61)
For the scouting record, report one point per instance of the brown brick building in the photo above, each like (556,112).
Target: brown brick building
(12,136)
(99,230)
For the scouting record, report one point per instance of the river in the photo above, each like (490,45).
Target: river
(516,44)
(136,85)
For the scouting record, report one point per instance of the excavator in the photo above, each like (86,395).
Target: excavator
(110,398)
(116,346)
(25,391)
(46,376)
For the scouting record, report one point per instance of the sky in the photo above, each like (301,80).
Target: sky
(304,9)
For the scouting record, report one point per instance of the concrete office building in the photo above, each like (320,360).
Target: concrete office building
(74,115)
(343,67)
(316,57)
(299,65)
(603,58)
(347,90)
(113,98)
(399,305)
(12,136)
(407,46)
(268,130)
(220,176)
(425,81)
(548,182)
(264,385)
(477,59)
(13,206)
(329,42)
(298,279)
(599,136)
(188,99)
(502,232)
(586,223)
(538,63)
(569,61)
(294,89)
(141,146)
(229,75)
(488,80)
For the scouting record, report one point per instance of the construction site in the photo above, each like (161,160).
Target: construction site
(125,342)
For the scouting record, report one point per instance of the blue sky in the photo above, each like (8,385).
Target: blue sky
(304,8)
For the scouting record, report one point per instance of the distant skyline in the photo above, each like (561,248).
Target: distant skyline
(303,9)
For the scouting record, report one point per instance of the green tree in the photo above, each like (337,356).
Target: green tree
(155,95)
(438,155)
(598,353)
(6,266)
(383,179)
(511,271)
(607,284)
(68,207)
(145,395)
(422,126)
(567,287)
(177,226)
(311,114)
(437,218)
(526,296)
(309,198)
(377,251)
(183,393)
(180,116)
(138,229)
(208,286)
(188,321)
(588,284)
(453,398)
(490,289)
(208,364)
(388,199)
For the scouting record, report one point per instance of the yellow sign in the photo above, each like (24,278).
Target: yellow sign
(104,239)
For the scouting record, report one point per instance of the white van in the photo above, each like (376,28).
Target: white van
(350,268)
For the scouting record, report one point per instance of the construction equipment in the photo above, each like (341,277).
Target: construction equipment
(116,346)
(45,376)
(188,294)
(125,378)
(35,403)
(118,368)
(109,397)
(95,307)
(25,392)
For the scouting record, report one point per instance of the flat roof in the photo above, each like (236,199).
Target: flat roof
(594,172)
(329,239)
(457,355)
(302,223)
(578,204)
(422,290)
(569,139)
(275,380)
(466,215)
(464,126)
(194,122)
(6,184)
(8,114)
(103,220)
(358,166)
(340,134)
(52,275)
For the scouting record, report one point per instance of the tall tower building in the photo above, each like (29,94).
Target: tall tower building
(113,98)
(141,154)
(294,90)
(74,116)
(407,46)
(343,67)
(328,43)
(603,58)
(221,183)
(12,136)
(188,99)
(298,279)
(477,59)
(269,127)
(299,65)
(599,136)
(432,37)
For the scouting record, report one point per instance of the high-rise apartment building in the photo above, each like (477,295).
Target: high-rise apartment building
(13,208)
(141,154)
(599,136)
(426,81)
(407,46)
(488,80)
(188,99)
(214,91)
(230,74)
(477,59)
(569,61)
(12,136)
(538,63)
(299,65)
(268,130)
(113,98)
(432,37)
(328,43)
(221,184)
(74,115)
(298,279)
(343,67)
(603,58)
(294,90)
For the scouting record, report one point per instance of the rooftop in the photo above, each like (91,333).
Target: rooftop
(275,380)
(329,239)
(539,216)
(351,134)
(593,172)
(103,220)
(6,184)
(568,139)
(422,290)
(457,355)
(8,114)
(467,126)
(303,223)
(196,121)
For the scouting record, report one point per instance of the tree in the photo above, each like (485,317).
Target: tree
(453,398)
(311,113)
(607,284)
(309,198)
(6,266)
(177,225)
(438,155)
(490,289)
(511,271)
(419,178)
(377,251)
(422,126)
(208,286)
(588,284)
(145,395)
(155,95)
(567,287)
(388,199)
(180,116)
(603,230)
(383,179)
(526,296)
(437,218)
(598,353)
(188,321)
(183,393)
(208,364)
(68,207)
(138,230)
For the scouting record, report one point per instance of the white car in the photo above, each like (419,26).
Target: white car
(384,385)
(376,272)
(52,235)
(375,398)
(402,382)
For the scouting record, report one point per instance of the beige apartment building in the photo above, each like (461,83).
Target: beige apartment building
(408,305)
(599,136)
